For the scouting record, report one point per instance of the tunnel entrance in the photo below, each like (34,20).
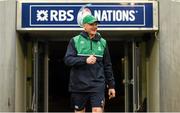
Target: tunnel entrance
(44,41)
(59,97)
(51,75)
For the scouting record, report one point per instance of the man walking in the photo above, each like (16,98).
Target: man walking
(91,68)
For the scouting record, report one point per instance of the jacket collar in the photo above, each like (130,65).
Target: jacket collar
(95,38)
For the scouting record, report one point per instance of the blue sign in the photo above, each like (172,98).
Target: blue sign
(67,15)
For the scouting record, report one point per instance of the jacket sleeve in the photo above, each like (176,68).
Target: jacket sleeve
(71,58)
(108,69)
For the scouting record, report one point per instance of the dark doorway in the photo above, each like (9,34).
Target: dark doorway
(116,50)
(59,97)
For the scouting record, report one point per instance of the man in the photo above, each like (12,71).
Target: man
(91,70)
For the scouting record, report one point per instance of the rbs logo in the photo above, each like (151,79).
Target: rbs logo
(61,15)
(54,15)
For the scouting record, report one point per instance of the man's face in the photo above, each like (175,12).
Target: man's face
(91,29)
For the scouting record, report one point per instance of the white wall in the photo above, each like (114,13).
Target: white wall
(170,55)
(153,74)
(7,54)
(20,92)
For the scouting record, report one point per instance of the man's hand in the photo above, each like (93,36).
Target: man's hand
(111,93)
(91,59)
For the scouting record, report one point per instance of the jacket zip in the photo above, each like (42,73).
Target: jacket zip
(91,44)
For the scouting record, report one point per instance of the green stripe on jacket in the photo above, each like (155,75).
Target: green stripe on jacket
(87,47)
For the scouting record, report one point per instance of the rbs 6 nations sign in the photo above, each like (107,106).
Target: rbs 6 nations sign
(68,16)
